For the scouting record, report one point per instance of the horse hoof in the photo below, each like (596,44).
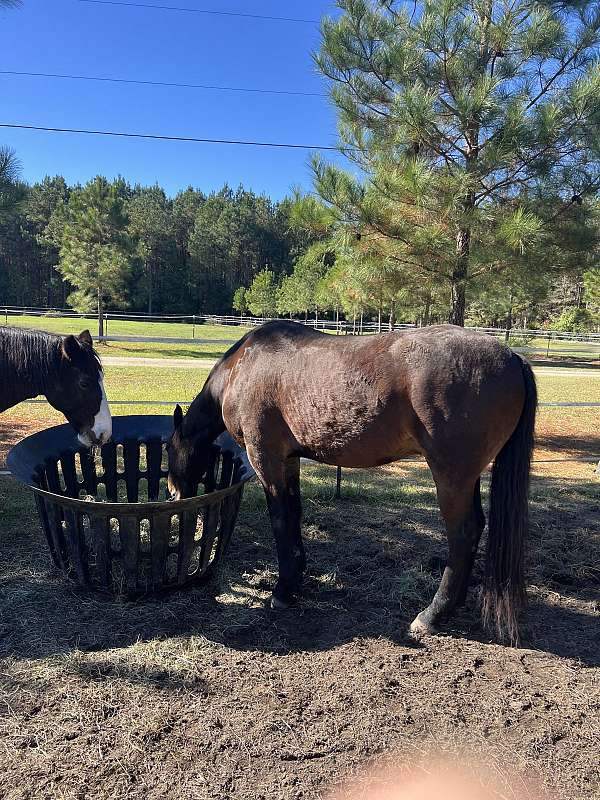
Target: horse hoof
(419,628)
(278,605)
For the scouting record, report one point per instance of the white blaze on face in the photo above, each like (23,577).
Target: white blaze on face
(102,425)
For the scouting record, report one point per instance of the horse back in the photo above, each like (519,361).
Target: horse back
(361,401)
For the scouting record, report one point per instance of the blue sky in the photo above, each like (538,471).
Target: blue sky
(72,37)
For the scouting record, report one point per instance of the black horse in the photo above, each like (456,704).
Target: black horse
(66,369)
(460,399)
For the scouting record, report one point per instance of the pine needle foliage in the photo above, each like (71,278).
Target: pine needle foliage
(473,125)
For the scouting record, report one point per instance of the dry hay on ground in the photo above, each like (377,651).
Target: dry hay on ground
(208,695)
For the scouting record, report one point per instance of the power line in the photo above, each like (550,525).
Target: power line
(163,137)
(199,11)
(99,78)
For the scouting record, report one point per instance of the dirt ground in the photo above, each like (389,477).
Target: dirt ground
(208,695)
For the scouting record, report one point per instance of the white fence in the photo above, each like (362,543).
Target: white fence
(525,340)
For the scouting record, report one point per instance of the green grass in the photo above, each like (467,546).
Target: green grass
(160,350)
(116,327)
(174,384)
(568,388)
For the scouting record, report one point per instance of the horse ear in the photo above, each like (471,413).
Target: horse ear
(177,416)
(86,338)
(70,347)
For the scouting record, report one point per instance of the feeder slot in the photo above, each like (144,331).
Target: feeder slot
(88,469)
(160,532)
(154,451)
(109,461)
(187,531)
(100,531)
(67,464)
(131,457)
(211,520)
(76,542)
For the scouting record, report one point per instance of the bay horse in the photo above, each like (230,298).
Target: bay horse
(460,399)
(66,369)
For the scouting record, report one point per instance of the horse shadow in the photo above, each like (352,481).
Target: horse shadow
(372,567)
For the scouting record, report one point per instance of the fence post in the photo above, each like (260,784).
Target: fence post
(194,326)
(548,348)
(106,324)
(6,316)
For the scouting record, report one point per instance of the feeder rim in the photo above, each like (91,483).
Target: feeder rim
(138,509)
(141,428)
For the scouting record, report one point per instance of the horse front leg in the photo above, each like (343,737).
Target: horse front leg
(285,523)
(461,510)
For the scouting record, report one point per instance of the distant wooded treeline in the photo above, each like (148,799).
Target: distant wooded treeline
(153,253)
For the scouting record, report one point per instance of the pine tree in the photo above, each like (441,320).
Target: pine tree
(239,300)
(591,295)
(150,224)
(470,119)
(10,168)
(95,251)
(261,297)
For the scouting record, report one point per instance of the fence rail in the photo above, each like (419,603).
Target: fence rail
(526,340)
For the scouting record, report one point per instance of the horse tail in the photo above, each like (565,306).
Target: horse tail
(504,586)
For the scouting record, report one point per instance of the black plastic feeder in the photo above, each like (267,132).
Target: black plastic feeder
(106,516)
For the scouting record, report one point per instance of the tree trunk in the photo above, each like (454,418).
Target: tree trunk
(426,318)
(509,320)
(360,330)
(379,319)
(459,277)
(100,314)
(150,286)
(392,315)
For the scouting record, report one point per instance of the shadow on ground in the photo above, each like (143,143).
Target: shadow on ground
(375,558)
(588,445)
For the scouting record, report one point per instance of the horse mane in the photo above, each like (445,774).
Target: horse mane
(23,350)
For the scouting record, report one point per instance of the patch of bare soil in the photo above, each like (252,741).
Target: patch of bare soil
(14,428)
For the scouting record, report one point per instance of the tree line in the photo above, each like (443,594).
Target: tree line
(111,245)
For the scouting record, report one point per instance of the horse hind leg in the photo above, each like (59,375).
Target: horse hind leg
(477,524)
(461,510)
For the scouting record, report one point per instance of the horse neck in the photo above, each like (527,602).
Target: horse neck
(204,415)
(24,371)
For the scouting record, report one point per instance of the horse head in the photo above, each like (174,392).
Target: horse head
(188,450)
(79,392)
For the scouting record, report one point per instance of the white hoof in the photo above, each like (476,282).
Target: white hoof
(419,628)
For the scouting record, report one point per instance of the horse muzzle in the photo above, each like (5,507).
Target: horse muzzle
(89,437)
